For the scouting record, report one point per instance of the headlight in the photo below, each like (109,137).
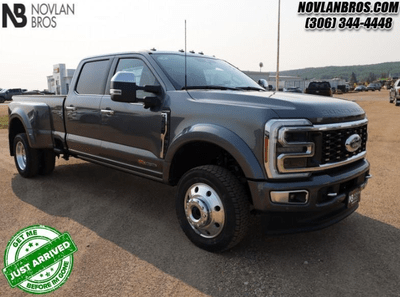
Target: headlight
(288,148)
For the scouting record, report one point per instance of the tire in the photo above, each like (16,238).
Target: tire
(2,100)
(26,158)
(396,101)
(212,208)
(47,162)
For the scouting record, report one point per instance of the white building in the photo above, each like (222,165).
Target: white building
(257,75)
(284,81)
(59,82)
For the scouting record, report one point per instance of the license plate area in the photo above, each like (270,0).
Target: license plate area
(353,197)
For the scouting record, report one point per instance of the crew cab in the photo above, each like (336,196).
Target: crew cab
(197,122)
(394,94)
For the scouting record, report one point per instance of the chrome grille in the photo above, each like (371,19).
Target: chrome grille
(333,144)
(297,148)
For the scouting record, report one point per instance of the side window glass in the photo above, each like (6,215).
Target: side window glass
(92,78)
(143,75)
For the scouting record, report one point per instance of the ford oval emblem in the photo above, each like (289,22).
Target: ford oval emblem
(353,143)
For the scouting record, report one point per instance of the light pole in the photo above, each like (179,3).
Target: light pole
(277,59)
(261,65)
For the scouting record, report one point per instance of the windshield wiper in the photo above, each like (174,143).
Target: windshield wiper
(210,88)
(250,89)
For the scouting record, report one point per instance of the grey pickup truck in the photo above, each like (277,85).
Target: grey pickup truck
(196,122)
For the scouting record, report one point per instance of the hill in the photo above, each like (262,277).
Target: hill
(362,72)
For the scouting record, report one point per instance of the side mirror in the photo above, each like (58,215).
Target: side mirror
(123,87)
(263,83)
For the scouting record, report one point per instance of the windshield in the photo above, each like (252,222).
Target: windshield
(203,73)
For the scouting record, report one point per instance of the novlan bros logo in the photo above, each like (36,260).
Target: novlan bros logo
(17,16)
(42,15)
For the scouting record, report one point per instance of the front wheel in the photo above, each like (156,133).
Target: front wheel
(212,208)
(26,158)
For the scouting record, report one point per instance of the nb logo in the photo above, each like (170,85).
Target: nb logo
(17,16)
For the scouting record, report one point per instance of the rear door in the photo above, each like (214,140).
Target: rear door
(82,108)
(132,136)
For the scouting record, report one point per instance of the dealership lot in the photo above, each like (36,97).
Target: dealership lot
(130,244)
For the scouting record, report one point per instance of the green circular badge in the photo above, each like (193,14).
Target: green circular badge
(39,259)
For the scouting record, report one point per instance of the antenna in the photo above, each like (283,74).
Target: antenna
(185,60)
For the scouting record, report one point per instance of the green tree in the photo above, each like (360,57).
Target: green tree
(371,77)
(353,78)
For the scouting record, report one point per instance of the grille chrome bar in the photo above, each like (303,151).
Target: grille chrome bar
(322,166)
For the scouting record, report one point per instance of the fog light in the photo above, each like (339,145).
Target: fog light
(298,197)
(291,163)
(289,197)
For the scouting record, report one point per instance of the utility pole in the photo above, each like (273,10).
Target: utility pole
(277,59)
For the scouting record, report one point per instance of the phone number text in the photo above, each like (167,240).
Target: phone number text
(348,23)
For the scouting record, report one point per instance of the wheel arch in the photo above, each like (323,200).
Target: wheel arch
(15,126)
(179,157)
(36,123)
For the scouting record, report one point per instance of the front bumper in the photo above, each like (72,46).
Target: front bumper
(321,209)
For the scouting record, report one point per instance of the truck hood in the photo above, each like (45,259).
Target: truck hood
(317,109)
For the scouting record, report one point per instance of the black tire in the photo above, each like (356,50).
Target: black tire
(2,100)
(26,158)
(218,189)
(47,162)
(396,101)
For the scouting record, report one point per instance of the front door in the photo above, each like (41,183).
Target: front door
(131,134)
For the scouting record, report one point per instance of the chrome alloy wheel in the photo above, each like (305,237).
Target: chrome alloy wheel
(20,155)
(204,210)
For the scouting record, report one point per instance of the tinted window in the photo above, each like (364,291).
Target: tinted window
(319,85)
(93,77)
(143,75)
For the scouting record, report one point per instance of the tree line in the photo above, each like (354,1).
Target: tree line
(352,74)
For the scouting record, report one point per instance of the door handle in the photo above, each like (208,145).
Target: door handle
(108,111)
(72,108)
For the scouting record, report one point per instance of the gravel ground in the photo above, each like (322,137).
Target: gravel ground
(129,242)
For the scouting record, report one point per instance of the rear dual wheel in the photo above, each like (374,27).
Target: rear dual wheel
(30,161)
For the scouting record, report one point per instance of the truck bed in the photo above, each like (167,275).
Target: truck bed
(42,116)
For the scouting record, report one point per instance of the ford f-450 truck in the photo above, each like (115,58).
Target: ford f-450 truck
(196,122)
